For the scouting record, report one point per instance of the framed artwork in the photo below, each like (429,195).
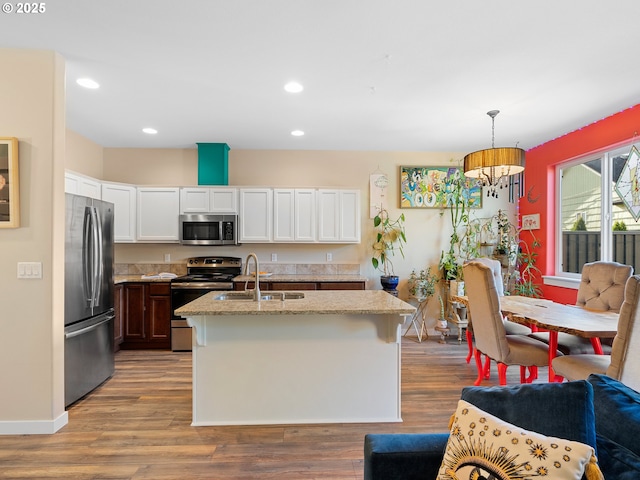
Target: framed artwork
(9,183)
(430,187)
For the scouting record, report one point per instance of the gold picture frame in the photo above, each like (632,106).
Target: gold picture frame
(9,183)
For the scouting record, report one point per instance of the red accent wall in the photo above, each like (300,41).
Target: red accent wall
(539,182)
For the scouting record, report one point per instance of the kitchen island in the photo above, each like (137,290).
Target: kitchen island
(330,357)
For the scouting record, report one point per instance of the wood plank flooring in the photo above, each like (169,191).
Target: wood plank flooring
(137,426)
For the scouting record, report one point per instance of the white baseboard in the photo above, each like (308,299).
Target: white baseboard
(34,427)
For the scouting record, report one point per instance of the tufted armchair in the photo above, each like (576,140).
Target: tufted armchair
(490,333)
(511,328)
(602,285)
(620,364)
(601,288)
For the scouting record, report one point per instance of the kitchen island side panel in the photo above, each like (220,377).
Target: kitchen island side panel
(284,369)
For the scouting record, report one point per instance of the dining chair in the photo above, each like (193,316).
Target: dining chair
(511,328)
(625,344)
(490,335)
(602,287)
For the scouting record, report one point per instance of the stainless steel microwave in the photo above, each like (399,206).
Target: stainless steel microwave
(209,229)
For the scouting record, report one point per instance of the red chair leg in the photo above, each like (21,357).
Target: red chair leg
(487,367)
(502,373)
(523,374)
(470,344)
(480,367)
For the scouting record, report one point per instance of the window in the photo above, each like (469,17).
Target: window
(593,221)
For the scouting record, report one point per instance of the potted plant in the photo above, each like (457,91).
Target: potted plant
(457,195)
(422,285)
(390,236)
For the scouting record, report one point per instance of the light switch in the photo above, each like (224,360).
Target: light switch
(29,269)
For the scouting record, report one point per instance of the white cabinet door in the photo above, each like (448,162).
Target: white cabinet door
(256,215)
(339,216)
(81,185)
(194,200)
(158,209)
(123,198)
(328,215)
(305,215)
(350,216)
(284,215)
(208,200)
(223,200)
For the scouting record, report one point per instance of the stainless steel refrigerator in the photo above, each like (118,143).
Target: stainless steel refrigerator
(88,286)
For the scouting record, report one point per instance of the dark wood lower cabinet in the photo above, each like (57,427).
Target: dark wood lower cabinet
(146,315)
(118,323)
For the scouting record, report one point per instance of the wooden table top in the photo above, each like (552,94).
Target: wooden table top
(561,318)
(550,315)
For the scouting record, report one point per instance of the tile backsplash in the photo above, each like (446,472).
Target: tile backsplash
(275,268)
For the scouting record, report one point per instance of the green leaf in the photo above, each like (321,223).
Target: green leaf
(374,261)
(376,221)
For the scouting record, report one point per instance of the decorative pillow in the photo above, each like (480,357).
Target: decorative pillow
(483,446)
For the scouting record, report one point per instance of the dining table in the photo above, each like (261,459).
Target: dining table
(547,315)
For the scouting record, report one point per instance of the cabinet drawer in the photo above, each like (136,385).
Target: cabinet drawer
(293,286)
(159,289)
(341,286)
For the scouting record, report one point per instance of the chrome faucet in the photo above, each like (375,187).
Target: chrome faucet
(256,289)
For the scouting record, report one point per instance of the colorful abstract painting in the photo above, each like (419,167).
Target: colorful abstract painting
(430,187)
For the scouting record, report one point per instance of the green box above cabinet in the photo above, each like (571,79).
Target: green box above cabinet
(213,164)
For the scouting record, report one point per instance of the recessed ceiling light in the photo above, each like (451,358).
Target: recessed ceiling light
(88,83)
(297,133)
(150,131)
(293,87)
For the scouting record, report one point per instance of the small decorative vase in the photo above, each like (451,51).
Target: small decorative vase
(442,323)
(390,283)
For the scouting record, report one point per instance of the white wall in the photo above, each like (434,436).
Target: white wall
(32,311)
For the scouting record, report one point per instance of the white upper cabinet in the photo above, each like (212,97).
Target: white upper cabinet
(305,215)
(81,185)
(284,215)
(208,200)
(158,209)
(256,215)
(350,216)
(123,198)
(339,216)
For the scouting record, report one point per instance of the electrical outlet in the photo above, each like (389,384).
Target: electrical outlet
(167,258)
(329,257)
(274,257)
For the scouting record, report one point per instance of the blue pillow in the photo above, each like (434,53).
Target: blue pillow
(563,410)
(617,409)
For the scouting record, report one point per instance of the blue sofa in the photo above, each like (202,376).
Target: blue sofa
(599,411)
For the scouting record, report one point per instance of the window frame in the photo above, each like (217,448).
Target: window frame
(606,156)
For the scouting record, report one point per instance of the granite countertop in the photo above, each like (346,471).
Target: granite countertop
(314,302)
(284,277)
(137,278)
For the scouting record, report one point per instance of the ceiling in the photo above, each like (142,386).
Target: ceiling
(379,75)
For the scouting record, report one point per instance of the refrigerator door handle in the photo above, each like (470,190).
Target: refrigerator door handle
(88,329)
(87,268)
(98,259)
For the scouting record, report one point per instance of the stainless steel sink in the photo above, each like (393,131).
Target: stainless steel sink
(282,296)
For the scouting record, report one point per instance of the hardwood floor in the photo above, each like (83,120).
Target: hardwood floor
(137,426)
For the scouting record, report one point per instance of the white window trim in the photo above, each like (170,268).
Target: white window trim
(565,282)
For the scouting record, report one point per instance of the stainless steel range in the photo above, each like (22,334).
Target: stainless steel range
(204,274)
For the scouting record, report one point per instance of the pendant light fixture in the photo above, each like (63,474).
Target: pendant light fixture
(493,166)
